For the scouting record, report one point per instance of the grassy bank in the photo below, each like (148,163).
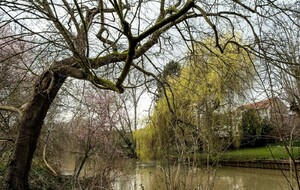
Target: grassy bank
(262,153)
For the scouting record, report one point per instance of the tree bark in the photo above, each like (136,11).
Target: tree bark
(17,172)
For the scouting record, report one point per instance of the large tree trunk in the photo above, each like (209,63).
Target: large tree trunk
(32,120)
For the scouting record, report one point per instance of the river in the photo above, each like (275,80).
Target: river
(153,177)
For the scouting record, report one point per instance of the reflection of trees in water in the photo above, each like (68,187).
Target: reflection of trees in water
(250,178)
(151,178)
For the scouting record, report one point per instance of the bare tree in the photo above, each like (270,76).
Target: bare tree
(129,114)
(279,56)
(14,84)
(102,41)
(283,58)
(93,130)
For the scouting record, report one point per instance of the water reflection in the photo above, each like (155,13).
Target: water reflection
(153,177)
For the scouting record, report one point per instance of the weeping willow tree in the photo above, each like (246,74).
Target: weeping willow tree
(195,114)
(104,41)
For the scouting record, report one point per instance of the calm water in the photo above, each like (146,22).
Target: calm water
(154,177)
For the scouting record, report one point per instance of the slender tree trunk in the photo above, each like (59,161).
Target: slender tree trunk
(32,120)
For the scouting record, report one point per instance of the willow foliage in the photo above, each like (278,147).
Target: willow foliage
(187,115)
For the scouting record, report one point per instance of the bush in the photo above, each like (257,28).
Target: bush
(255,130)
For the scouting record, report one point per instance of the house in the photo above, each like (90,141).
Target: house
(277,123)
(272,109)
(277,113)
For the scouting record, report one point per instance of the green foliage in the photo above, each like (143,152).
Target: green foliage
(146,143)
(251,123)
(171,69)
(187,118)
(126,142)
(256,131)
(296,142)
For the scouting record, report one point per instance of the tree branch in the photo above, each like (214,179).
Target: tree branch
(211,25)
(12,109)
(6,139)
(166,21)
(46,163)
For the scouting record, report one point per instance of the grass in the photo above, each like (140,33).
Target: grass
(262,153)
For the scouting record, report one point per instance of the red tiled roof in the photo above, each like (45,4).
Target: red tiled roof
(259,105)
